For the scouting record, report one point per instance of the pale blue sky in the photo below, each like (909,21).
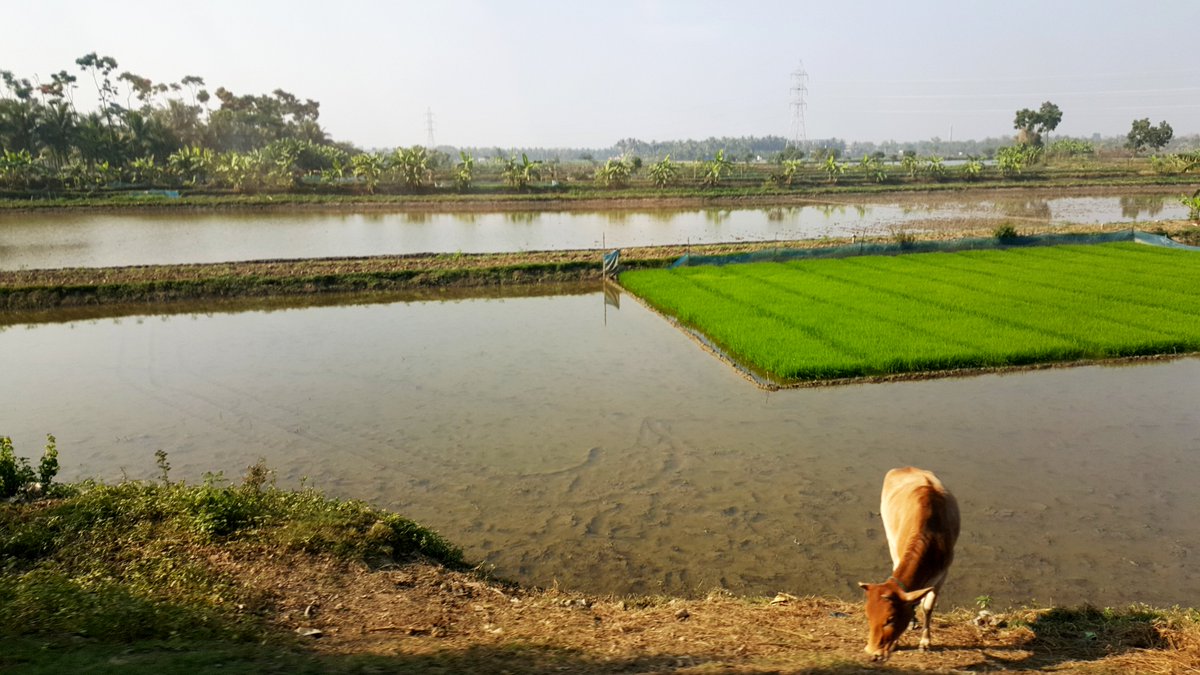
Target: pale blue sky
(565,73)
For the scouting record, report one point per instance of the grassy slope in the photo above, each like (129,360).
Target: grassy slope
(874,315)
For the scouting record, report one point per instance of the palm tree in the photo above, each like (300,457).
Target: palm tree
(57,131)
(19,122)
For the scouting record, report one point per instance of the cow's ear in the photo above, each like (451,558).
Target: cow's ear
(915,596)
(864,585)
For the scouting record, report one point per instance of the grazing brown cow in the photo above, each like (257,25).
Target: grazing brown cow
(920,518)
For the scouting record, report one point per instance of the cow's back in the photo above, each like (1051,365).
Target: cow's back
(914,500)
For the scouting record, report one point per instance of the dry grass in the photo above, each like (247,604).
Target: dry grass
(420,614)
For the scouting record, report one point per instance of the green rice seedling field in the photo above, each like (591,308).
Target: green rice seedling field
(884,315)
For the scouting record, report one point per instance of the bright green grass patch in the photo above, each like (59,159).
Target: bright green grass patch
(127,562)
(879,315)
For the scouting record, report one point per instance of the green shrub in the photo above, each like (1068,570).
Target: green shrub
(17,476)
(129,561)
(1193,205)
(1005,232)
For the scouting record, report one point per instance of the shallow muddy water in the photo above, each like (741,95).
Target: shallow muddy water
(101,239)
(565,439)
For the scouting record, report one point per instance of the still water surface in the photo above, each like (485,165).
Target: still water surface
(100,239)
(564,439)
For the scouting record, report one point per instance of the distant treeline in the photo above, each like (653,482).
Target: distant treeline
(137,118)
(774,148)
(178,134)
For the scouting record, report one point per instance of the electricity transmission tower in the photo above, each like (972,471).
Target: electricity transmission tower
(429,143)
(799,105)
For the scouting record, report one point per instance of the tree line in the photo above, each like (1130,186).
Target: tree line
(181,134)
(140,126)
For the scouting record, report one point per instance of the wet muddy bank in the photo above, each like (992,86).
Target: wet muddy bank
(592,201)
(69,287)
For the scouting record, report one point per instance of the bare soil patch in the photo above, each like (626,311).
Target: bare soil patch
(422,615)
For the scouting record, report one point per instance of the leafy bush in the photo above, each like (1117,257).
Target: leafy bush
(1005,232)
(1014,159)
(1070,147)
(1193,205)
(1175,164)
(972,169)
(18,477)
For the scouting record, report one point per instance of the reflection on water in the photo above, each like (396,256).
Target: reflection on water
(583,440)
(39,240)
(1140,206)
(1028,209)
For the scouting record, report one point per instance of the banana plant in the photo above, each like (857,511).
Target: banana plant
(412,165)
(1193,205)
(873,168)
(615,173)
(973,169)
(1013,159)
(191,165)
(716,169)
(935,167)
(790,168)
(522,174)
(833,168)
(367,167)
(664,173)
(17,168)
(144,170)
(464,172)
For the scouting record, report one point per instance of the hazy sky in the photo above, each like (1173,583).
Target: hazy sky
(573,73)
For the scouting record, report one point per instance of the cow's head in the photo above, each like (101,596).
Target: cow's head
(889,611)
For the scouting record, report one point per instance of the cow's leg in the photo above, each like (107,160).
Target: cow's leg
(927,604)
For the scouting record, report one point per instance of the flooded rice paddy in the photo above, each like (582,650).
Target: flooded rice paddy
(570,440)
(101,239)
